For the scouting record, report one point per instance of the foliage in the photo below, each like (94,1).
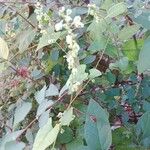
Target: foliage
(74,75)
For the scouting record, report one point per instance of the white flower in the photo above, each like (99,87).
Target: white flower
(73,54)
(75,87)
(51,41)
(61,10)
(40,25)
(68,19)
(60,114)
(38,4)
(70,61)
(91,5)
(38,17)
(74,71)
(91,12)
(46,17)
(43,31)
(69,39)
(77,22)
(76,47)
(59,26)
(68,12)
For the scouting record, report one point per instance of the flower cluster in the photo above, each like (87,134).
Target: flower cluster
(70,24)
(72,83)
(40,14)
(23,72)
(93,11)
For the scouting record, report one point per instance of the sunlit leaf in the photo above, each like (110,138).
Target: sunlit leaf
(94,73)
(4,51)
(116,10)
(43,105)
(29,136)
(52,90)
(49,37)
(67,117)
(25,39)
(9,137)
(41,134)
(43,118)
(40,95)
(14,146)
(21,111)
(46,136)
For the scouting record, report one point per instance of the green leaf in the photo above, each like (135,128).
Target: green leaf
(94,73)
(111,77)
(116,10)
(67,117)
(43,118)
(25,39)
(97,127)
(143,62)
(96,28)
(52,90)
(77,77)
(46,136)
(40,95)
(48,38)
(43,106)
(76,11)
(131,51)
(120,140)
(65,137)
(21,111)
(89,59)
(146,106)
(77,144)
(122,64)
(143,125)
(143,19)
(29,136)
(4,51)
(14,146)
(107,4)
(10,137)
(97,44)
(127,32)
(2,67)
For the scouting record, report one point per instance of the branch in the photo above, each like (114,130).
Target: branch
(48,108)
(3,3)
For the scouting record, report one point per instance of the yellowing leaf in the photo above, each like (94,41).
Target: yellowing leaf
(4,51)
(46,136)
(67,117)
(116,10)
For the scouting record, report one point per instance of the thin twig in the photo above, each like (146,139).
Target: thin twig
(19,15)
(35,119)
